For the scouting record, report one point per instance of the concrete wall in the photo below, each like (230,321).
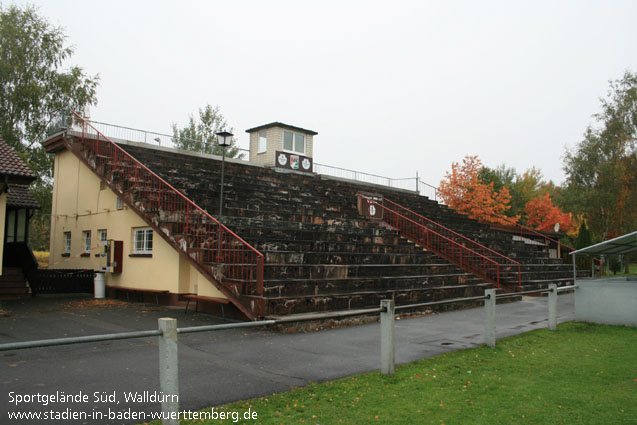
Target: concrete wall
(607,301)
(3,215)
(81,202)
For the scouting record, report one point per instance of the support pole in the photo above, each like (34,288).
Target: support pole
(387,352)
(575,270)
(489,318)
(168,370)
(553,306)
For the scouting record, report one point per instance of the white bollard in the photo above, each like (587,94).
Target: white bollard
(553,307)
(387,351)
(99,286)
(489,318)
(169,370)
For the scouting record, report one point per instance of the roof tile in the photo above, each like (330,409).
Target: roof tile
(11,164)
(20,196)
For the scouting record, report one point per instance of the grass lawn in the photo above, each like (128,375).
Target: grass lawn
(42,258)
(581,374)
(632,268)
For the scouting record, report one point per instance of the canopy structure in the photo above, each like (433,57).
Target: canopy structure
(620,245)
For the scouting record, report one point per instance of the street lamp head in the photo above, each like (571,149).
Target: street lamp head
(224,138)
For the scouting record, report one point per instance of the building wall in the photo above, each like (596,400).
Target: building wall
(608,301)
(275,143)
(3,215)
(81,202)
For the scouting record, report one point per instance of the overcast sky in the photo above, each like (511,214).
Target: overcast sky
(392,87)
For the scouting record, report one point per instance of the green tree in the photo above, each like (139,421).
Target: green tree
(601,171)
(199,135)
(34,86)
(583,240)
(501,176)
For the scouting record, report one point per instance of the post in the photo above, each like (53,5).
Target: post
(168,370)
(575,270)
(387,353)
(489,318)
(417,187)
(553,306)
(223,172)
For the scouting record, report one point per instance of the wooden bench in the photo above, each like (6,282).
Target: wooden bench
(140,292)
(197,298)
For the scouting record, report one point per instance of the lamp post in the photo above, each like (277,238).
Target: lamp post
(224,139)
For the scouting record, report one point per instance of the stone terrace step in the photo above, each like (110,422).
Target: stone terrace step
(318,286)
(366,299)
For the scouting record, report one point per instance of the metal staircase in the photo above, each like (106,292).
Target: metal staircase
(452,246)
(225,259)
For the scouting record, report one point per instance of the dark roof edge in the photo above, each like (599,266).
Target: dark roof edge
(282,125)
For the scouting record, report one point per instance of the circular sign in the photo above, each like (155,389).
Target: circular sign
(372,210)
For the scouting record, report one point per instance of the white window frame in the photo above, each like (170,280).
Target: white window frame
(294,134)
(86,241)
(262,142)
(67,242)
(119,204)
(103,235)
(144,235)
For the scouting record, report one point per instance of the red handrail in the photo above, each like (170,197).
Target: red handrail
(542,235)
(475,246)
(206,241)
(452,251)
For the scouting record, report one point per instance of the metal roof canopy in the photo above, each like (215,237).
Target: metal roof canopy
(620,245)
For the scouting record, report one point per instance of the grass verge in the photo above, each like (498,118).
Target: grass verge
(580,374)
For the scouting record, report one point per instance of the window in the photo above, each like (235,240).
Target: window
(11,225)
(143,241)
(103,236)
(67,242)
(86,237)
(263,141)
(119,205)
(293,142)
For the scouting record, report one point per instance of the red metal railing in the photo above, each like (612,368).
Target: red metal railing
(203,238)
(449,249)
(501,259)
(524,230)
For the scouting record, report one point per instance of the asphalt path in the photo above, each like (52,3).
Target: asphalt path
(214,367)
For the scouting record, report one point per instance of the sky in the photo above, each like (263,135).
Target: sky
(393,88)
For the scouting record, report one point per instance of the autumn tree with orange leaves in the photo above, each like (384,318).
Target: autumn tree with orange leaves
(543,215)
(462,190)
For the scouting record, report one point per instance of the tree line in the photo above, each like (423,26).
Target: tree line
(598,198)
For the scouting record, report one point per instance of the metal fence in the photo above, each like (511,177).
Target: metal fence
(168,336)
(61,281)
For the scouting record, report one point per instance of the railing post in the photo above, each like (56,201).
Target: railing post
(387,353)
(553,306)
(169,370)
(489,318)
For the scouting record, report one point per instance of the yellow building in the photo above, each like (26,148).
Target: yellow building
(87,216)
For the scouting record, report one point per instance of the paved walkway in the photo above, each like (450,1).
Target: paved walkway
(216,367)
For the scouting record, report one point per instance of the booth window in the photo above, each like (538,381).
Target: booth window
(293,142)
(263,141)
